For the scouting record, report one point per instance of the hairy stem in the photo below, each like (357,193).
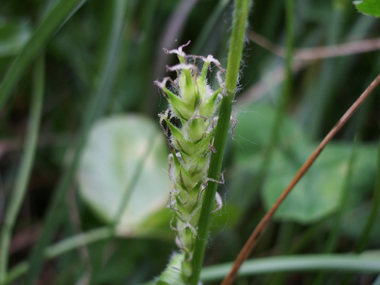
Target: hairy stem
(233,65)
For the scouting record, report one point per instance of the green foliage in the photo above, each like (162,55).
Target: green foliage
(101,58)
(13,36)
(319,191)
(122,168)
(48,27)
(368,7)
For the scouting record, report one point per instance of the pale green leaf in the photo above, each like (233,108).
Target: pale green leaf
(125,160)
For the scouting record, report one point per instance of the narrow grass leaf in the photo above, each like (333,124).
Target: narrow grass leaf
(25,169)
(95,107)
(52,23)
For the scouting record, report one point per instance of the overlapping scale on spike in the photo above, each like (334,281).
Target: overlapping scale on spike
(193,104)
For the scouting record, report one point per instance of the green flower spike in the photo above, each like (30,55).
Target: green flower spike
(193,104)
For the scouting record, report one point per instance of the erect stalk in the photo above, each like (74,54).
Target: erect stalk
(24,171)
(233,66)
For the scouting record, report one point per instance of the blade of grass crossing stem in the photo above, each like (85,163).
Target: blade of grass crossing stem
(145,51)
(287,228)
(365,263)
(313,262)
(50,25)
(260,228)
(233,66)
(377,281)
(373,211)
(283,103)
(285,238)
(334,233)
(97,267)
(94,109)
(375,205)
(62,247)
(287,88)
(24,171)
(333,238)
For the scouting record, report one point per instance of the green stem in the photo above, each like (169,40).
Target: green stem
(286,92)
(233,66)
(371,218)
(334,233)
(24,171)
(95,107)
(52,23)
(373,211)
(257,180)
(284,242)
(333,238)
(61,248)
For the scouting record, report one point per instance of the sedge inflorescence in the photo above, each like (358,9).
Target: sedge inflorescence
(189,124)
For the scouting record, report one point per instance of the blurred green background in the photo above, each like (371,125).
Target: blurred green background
(101,165)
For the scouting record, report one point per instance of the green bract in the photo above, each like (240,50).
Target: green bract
(193,104)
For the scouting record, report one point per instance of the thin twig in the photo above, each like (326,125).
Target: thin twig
(259,230)
(318,52)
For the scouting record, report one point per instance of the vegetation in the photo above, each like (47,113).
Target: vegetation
(84,163)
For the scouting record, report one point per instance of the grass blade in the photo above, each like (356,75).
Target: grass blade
(51,24)
(95,107)
(369,263)
(60,248)
(375,206)
(25,169)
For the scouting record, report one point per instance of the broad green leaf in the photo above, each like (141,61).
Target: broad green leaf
(369,7)
(13,36)
(123,170)
(253,131)
(318,193)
